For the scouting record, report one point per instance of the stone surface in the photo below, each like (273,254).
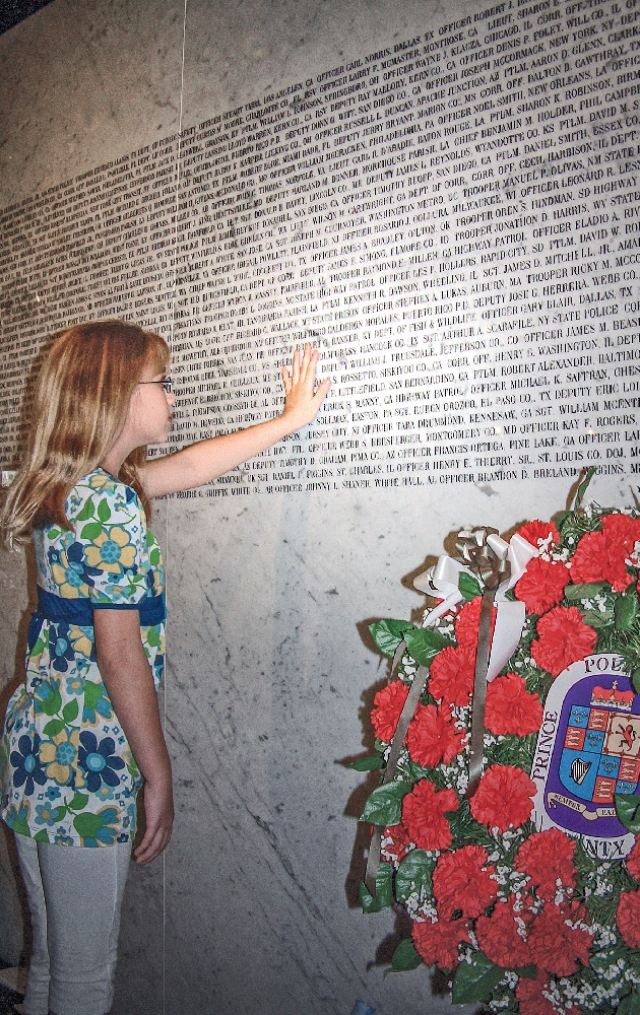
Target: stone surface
(270,668)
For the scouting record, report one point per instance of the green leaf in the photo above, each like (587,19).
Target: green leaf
(88,511)
(87,825)
(80,800)
(635,680)
(414,873)
(424,644)
(582,489)
(626,611)
(153,637)
(384,806)
(630,1005)
(588,591)
(387,634)
(38,648)
(596,619)
(469,586)
(404,958)
(475,980)
(41,836)
(53,533)
(529,972)
(368,764)
(383,897)
(91,530)
(628,811)
(70,711)
(104,511)
(53,727)
(52,703)
(92,694)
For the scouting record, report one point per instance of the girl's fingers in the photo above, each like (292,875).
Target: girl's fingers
(153,843)
(309,364)
(322,392)
(286,379)
(295,367)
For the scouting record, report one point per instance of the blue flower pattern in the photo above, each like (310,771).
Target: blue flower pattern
(27,770)
(63,701)
(99,761)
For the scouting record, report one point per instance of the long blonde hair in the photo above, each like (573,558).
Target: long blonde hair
(81,400)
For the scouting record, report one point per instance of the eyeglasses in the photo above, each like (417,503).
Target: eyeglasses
(166,382)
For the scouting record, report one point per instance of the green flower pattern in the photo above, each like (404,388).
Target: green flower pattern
(110,558)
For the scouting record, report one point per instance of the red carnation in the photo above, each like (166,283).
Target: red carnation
(532,1000)
(468,623)
(387,706)
(500,936)
(423,814)
(433,736)
(462,880)
(628,918)
(538,532)
(623,531)
(563,638)
(633,861)
(503,798)
(548,857)
(596,560)
(510,708)
(437,943)
(542,585)
(601,556)
(557,946)
(451,675)
(398,848)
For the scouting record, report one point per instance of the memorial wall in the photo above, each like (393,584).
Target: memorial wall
(446,202)
(452,219)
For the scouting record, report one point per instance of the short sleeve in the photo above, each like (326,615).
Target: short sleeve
(110,540)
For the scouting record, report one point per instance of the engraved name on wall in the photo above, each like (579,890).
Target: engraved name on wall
(453,219)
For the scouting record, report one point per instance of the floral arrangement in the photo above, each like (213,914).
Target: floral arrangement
(523,914)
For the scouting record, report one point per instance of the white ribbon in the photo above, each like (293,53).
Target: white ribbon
(442,581)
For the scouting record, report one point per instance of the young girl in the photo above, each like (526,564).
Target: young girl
(83,732)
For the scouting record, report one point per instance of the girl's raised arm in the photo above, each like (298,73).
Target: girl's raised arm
(204,461)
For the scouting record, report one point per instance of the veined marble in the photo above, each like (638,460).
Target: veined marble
(269,664)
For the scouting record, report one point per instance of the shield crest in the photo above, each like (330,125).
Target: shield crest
(588,750)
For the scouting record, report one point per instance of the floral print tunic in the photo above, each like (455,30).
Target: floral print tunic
(67,775)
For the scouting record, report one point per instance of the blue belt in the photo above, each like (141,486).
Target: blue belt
(152,611)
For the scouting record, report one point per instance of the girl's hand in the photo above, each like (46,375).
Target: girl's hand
(302,402)
(205,460)
(158,812)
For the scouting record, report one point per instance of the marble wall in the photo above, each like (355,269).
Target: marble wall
(269,665)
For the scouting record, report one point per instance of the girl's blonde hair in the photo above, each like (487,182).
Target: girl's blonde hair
(81,401)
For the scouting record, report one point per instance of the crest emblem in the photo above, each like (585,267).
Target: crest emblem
(588,751)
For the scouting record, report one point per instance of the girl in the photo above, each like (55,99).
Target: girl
(83,732)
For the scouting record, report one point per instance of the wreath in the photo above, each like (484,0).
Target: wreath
(521,879)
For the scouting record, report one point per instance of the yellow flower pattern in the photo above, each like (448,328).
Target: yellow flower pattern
(111,551)
(60,756)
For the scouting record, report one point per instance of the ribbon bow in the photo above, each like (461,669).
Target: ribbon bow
(497,566)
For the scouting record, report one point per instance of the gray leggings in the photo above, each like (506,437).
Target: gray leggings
(74,896)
